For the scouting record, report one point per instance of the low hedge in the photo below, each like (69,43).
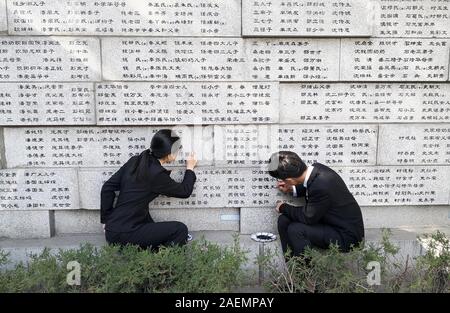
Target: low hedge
(198,267)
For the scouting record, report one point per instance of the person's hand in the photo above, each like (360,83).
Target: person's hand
(191,162)
(283,187)
(279,203)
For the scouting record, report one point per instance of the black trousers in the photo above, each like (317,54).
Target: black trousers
(151,235)
(298,236)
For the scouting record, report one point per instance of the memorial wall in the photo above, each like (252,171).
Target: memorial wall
(361,86)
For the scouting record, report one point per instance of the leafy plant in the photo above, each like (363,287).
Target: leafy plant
(334,271)
(198,267)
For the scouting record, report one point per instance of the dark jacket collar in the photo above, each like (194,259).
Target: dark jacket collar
(315,172)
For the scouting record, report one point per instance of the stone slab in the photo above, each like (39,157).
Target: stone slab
(365,103)
(370,185)
(25,224)
(220,59)
(278,59)
(399,59)
(3,16)
(398,185)
(214,188)
(265,219)
(88,221)
(244,145)
(421,18)
(95,146)
(255,220)
(27,59)
(173,59)
(208,190)
(414,144)
(91,182)
(406,216)
(78,222)
(38,189)
(201,219)
(47,104)
(126,18)
(343,18)
(120,103)
(251,145)
(254,188)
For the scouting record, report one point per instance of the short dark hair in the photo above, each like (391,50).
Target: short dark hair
(164,142)
(286,164)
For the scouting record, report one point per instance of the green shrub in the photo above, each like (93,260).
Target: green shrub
(3,258)
(198,267)
(333,271)
(432,271)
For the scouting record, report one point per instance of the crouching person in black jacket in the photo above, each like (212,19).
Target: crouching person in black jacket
(331,213)
(139,181)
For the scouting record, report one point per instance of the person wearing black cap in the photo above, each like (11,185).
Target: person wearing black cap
(140,180)
(330,214)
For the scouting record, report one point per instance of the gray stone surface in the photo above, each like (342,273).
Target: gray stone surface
(399,59)
(208,190)
(253,187)
(3,18)
(24,224)
(27,59)
(414,144)
(421,18)
(88,221)
(91,181)
(406,216)
(220,59)
(307,18)
(200,219)
(259,220)
(244,145)
(398,185)
(215,188)
(38,189)
(173,59)
(365,103)
(95,146)
(78,222)
(47,104)
(120,103)
(333,145)
(377,108)
(370,185)
(125,18)
(278,59)
(398,217)
(337,145)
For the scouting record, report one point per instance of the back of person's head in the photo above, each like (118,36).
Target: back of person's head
(286,164)
(164,143)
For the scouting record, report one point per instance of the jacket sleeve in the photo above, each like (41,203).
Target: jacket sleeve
(166,186)
(315,208)
(108,194)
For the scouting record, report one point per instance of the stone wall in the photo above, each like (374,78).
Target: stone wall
(361,86)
